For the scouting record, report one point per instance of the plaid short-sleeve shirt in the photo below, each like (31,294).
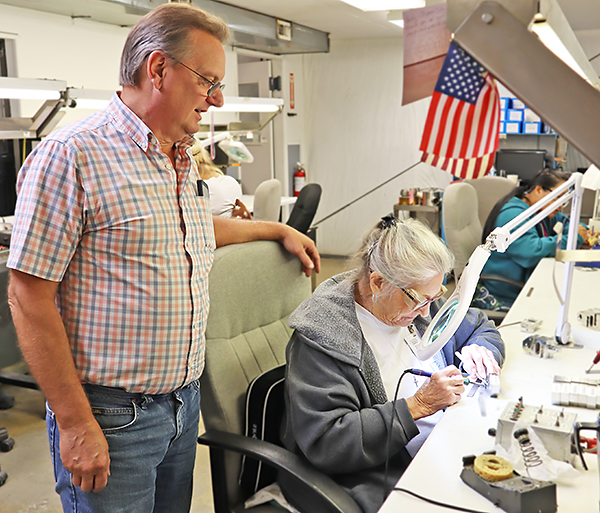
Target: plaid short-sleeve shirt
(102,211)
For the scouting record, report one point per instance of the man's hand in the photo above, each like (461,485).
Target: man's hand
(234,231)
(84,453)
(304,248)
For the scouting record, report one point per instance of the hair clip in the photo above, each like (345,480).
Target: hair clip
(387,221)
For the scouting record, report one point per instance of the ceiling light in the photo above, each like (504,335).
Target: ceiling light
(551,41)
(239,104)
(94,99)
(396,17)
(30,88)
(385,5)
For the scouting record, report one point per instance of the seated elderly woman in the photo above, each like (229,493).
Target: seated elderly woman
(348,351)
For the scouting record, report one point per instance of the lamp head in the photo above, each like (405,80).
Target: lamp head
(236,150)
(450,316)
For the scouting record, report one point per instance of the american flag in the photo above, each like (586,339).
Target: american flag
(461,131)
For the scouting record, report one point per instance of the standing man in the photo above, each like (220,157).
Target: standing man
(111,249)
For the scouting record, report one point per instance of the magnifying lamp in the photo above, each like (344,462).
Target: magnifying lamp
(236,150)
(449,317)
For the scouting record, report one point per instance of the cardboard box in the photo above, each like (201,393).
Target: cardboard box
(502,127)
(532,127)
(505,102)
(513,127)
(502,114)
(547,129)
(514,115)
(517,104)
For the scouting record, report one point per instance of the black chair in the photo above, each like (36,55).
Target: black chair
(305,208)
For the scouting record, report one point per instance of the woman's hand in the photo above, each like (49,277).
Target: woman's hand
(584,233)
(443,389)
(479,361)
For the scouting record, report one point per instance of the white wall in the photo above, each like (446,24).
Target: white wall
(357,135)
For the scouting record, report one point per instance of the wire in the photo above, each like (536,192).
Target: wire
(367,193)
(594,57)
(509,324)
(389,437)
(431,501)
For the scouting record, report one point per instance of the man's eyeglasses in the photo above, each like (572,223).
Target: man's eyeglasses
(213,87)
(415,301)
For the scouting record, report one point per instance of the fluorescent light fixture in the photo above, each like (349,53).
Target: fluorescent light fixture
(240,104)
(396,17)
(94,99)
(551,41)
(385,5)
(30,88)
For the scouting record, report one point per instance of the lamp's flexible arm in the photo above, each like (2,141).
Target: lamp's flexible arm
(449,317)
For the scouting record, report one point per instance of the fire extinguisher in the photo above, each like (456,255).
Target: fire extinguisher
(299,179)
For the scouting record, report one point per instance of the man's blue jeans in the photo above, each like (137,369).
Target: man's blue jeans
(152,444)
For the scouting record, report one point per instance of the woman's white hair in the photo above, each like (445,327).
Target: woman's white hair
(405,253)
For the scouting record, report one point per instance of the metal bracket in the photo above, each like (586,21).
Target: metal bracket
(518,59)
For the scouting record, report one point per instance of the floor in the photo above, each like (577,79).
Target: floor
(30,484)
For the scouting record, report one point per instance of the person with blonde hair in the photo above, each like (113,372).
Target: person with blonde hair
(350,347)
(225,191)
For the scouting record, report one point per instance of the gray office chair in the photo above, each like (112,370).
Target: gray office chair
(267,201)
(489,190)
(253,288)
(462,232)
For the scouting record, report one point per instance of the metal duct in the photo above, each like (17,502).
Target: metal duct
(249,29)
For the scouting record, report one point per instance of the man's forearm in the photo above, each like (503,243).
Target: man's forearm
(45,347)
(234,231)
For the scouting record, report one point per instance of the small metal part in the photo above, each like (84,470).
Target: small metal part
(540,346)
(530,325)
(487,18)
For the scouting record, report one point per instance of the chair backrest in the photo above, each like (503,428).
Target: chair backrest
(253,288)
(305,207)
(489,190)
(462,228)
(267,200)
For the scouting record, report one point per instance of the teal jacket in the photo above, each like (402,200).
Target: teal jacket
(521,257)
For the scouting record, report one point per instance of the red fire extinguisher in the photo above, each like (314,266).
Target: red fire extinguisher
(299,179)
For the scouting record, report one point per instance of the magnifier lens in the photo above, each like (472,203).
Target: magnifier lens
(446,315)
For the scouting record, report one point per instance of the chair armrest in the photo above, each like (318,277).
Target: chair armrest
(509,281)
(325,494)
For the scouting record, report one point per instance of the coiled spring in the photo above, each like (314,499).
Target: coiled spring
(530,456)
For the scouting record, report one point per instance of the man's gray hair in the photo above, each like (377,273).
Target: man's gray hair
(166,28)
(405,253)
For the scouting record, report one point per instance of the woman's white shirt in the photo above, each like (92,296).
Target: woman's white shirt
(394,356)
(223,190)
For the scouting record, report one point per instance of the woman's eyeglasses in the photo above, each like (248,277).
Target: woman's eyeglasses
(416,301)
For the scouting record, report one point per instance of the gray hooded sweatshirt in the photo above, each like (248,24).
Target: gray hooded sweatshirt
(337,412)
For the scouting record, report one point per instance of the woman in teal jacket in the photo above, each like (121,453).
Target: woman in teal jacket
(521,257)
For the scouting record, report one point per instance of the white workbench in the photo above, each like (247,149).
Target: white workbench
(435,472)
